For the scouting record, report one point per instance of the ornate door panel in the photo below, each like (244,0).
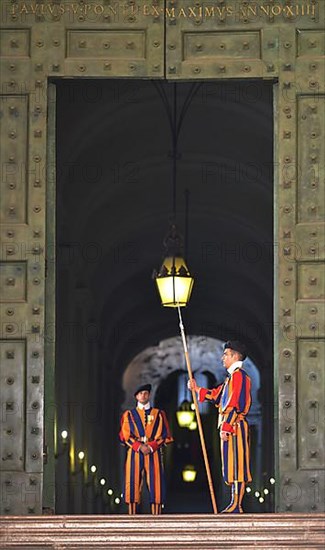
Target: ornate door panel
(106,39)
(283,41)
(41,40)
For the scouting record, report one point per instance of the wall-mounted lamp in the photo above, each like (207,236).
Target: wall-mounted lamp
(93,469)
(64,438)
(82,463)
(102,481)
(81,456)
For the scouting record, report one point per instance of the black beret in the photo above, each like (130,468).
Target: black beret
(235,345)
(144,387)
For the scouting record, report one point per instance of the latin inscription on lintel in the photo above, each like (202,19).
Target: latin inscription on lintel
(252,11)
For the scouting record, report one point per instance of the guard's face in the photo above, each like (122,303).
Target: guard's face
(143,397)
(228,358)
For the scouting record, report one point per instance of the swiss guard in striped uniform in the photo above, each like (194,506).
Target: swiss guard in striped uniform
(233,399)
(144,431)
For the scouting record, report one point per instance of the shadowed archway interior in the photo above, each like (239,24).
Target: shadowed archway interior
(114,199)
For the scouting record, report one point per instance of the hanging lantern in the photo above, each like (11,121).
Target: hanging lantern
(174,281)
(185,415)
(189,473)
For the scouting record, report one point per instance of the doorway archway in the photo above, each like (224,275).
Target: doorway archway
(113,203)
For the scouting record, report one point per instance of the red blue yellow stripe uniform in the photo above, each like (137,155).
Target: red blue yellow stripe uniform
(233,400)
(151,427)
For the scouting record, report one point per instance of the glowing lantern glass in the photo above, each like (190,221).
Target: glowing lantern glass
(189,473)
(174,281)
(185,415)
(193,426)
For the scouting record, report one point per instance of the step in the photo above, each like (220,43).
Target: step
(280,531)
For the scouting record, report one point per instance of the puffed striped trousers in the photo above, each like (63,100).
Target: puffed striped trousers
(137,466)
(235,455)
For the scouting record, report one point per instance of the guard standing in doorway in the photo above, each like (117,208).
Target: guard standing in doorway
(233,399)
(144,430)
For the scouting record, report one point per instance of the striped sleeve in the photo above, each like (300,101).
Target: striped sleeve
(212,395)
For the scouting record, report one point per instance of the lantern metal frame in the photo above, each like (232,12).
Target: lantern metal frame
(174,281)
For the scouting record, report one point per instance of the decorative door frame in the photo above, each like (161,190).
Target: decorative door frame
(280,40)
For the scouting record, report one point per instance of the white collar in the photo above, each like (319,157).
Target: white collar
(145,407)
(234,366)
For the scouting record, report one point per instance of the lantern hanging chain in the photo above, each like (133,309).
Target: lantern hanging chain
(194,89)
(198,416)
(164,99)
(174,151)
(175,123)
(187,200)
(162,93)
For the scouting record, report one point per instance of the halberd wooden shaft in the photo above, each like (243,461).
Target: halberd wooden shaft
(198,416)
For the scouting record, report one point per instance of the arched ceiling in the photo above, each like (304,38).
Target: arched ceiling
(114,200)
